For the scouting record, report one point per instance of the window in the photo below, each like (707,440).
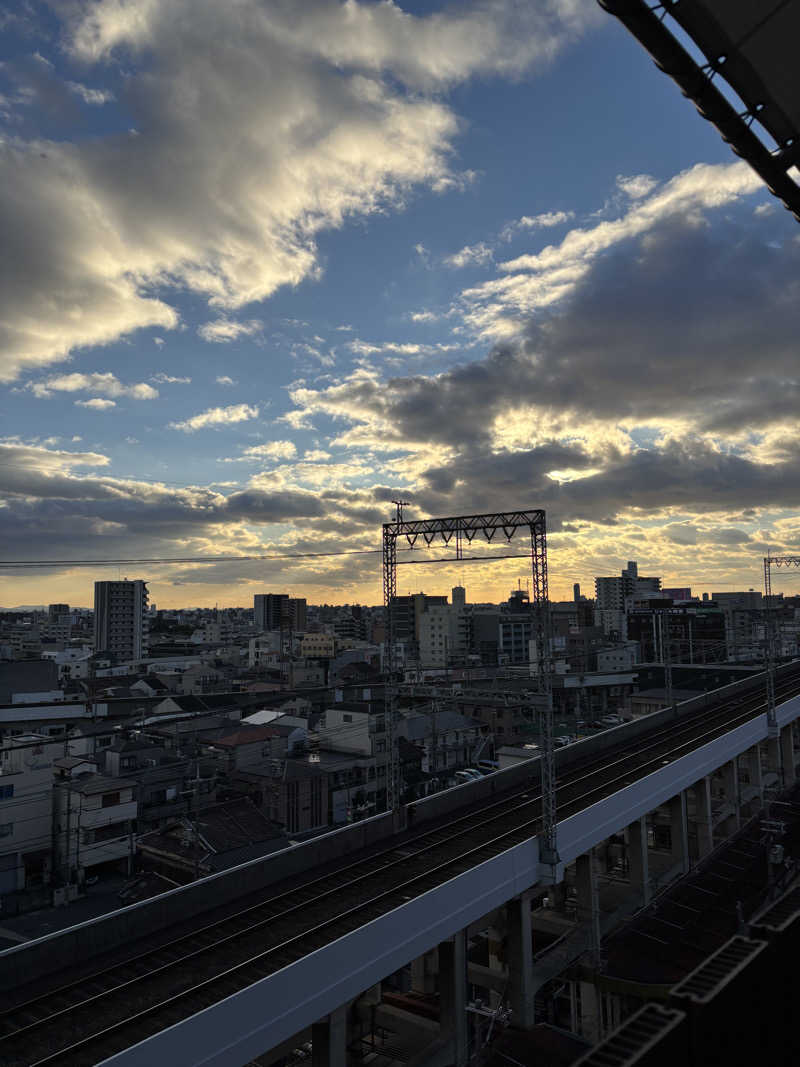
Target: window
(6,792)
(6,829)
(347,718)
(110,799)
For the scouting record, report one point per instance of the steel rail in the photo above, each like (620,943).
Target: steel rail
(582,801)
(506,804)
(624,754)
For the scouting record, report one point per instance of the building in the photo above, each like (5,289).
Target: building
(744,623)
(272,611)
(26,807)
(94,821)
(612,594)
(121,619)
(692,632)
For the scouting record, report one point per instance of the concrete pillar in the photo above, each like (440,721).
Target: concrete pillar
(787,755)
(423,973)
(638,860)
(584,886)
(679,830)
(773,760)
(329,1040)
(590,1012)
(520,962)
(703,816)
(730,779)
(753,762)
(453,996)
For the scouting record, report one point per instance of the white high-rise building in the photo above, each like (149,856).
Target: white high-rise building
(612,594)
(121,618)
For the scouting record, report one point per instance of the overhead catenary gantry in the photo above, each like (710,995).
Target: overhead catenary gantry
(771,634)
(461,531)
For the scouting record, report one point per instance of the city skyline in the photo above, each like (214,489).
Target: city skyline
(390,269)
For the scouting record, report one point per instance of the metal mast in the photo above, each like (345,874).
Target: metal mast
(390,534)
(461,530)
(544,644)
(771,635)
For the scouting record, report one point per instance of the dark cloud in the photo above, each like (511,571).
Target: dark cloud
(695,319)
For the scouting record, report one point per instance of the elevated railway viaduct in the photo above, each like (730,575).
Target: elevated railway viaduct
(240,963)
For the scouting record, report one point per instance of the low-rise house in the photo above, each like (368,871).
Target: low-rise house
(220,837)
(26,813)
(94,819)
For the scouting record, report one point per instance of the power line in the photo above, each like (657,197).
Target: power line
(23,564)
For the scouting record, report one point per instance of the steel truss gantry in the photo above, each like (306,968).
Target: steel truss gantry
(770,634)
(461,531)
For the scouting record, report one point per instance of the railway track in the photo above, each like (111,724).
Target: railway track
(84,1022)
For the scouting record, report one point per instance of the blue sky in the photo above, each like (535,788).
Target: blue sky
(271,264)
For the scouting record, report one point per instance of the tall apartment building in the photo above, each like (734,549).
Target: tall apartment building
(121,618)
(612,593)
(269,609)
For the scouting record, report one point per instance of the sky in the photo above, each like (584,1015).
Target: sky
(268,266)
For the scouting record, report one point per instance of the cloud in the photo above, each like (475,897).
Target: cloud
(224,379)
(271,450)
(168,379)
(222,331)
(470,256)
(237,157)
(397,348)
(534,282)
(636,186)
(217,417)
(545,220)
(93,97)
(97,403)
(424,316)
(98,382)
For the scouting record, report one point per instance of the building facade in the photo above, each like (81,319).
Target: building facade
(121,618)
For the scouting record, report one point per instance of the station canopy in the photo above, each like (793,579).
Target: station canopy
(739,61)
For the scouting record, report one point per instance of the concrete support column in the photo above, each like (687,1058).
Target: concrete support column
(787,754)
(423,973)
(730,779)
(453,996)
(754,772)
(590,1012)
(774,756)
(584,886)
(703,816)
(638,859)
(520,962)
(679,830)
(329,1040)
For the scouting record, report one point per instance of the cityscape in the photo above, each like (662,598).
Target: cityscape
(296,297)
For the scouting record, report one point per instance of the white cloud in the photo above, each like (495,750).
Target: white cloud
(636,186)
(98,382)
(238,157)
(224,330)
(224,379)
(398,348)
(97,403)
(217,417)
(345,328)
(532,282)
(470,256)
(272,450)
(424,316)
(94,97)
(544,221)
(168,379)
(316,455)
